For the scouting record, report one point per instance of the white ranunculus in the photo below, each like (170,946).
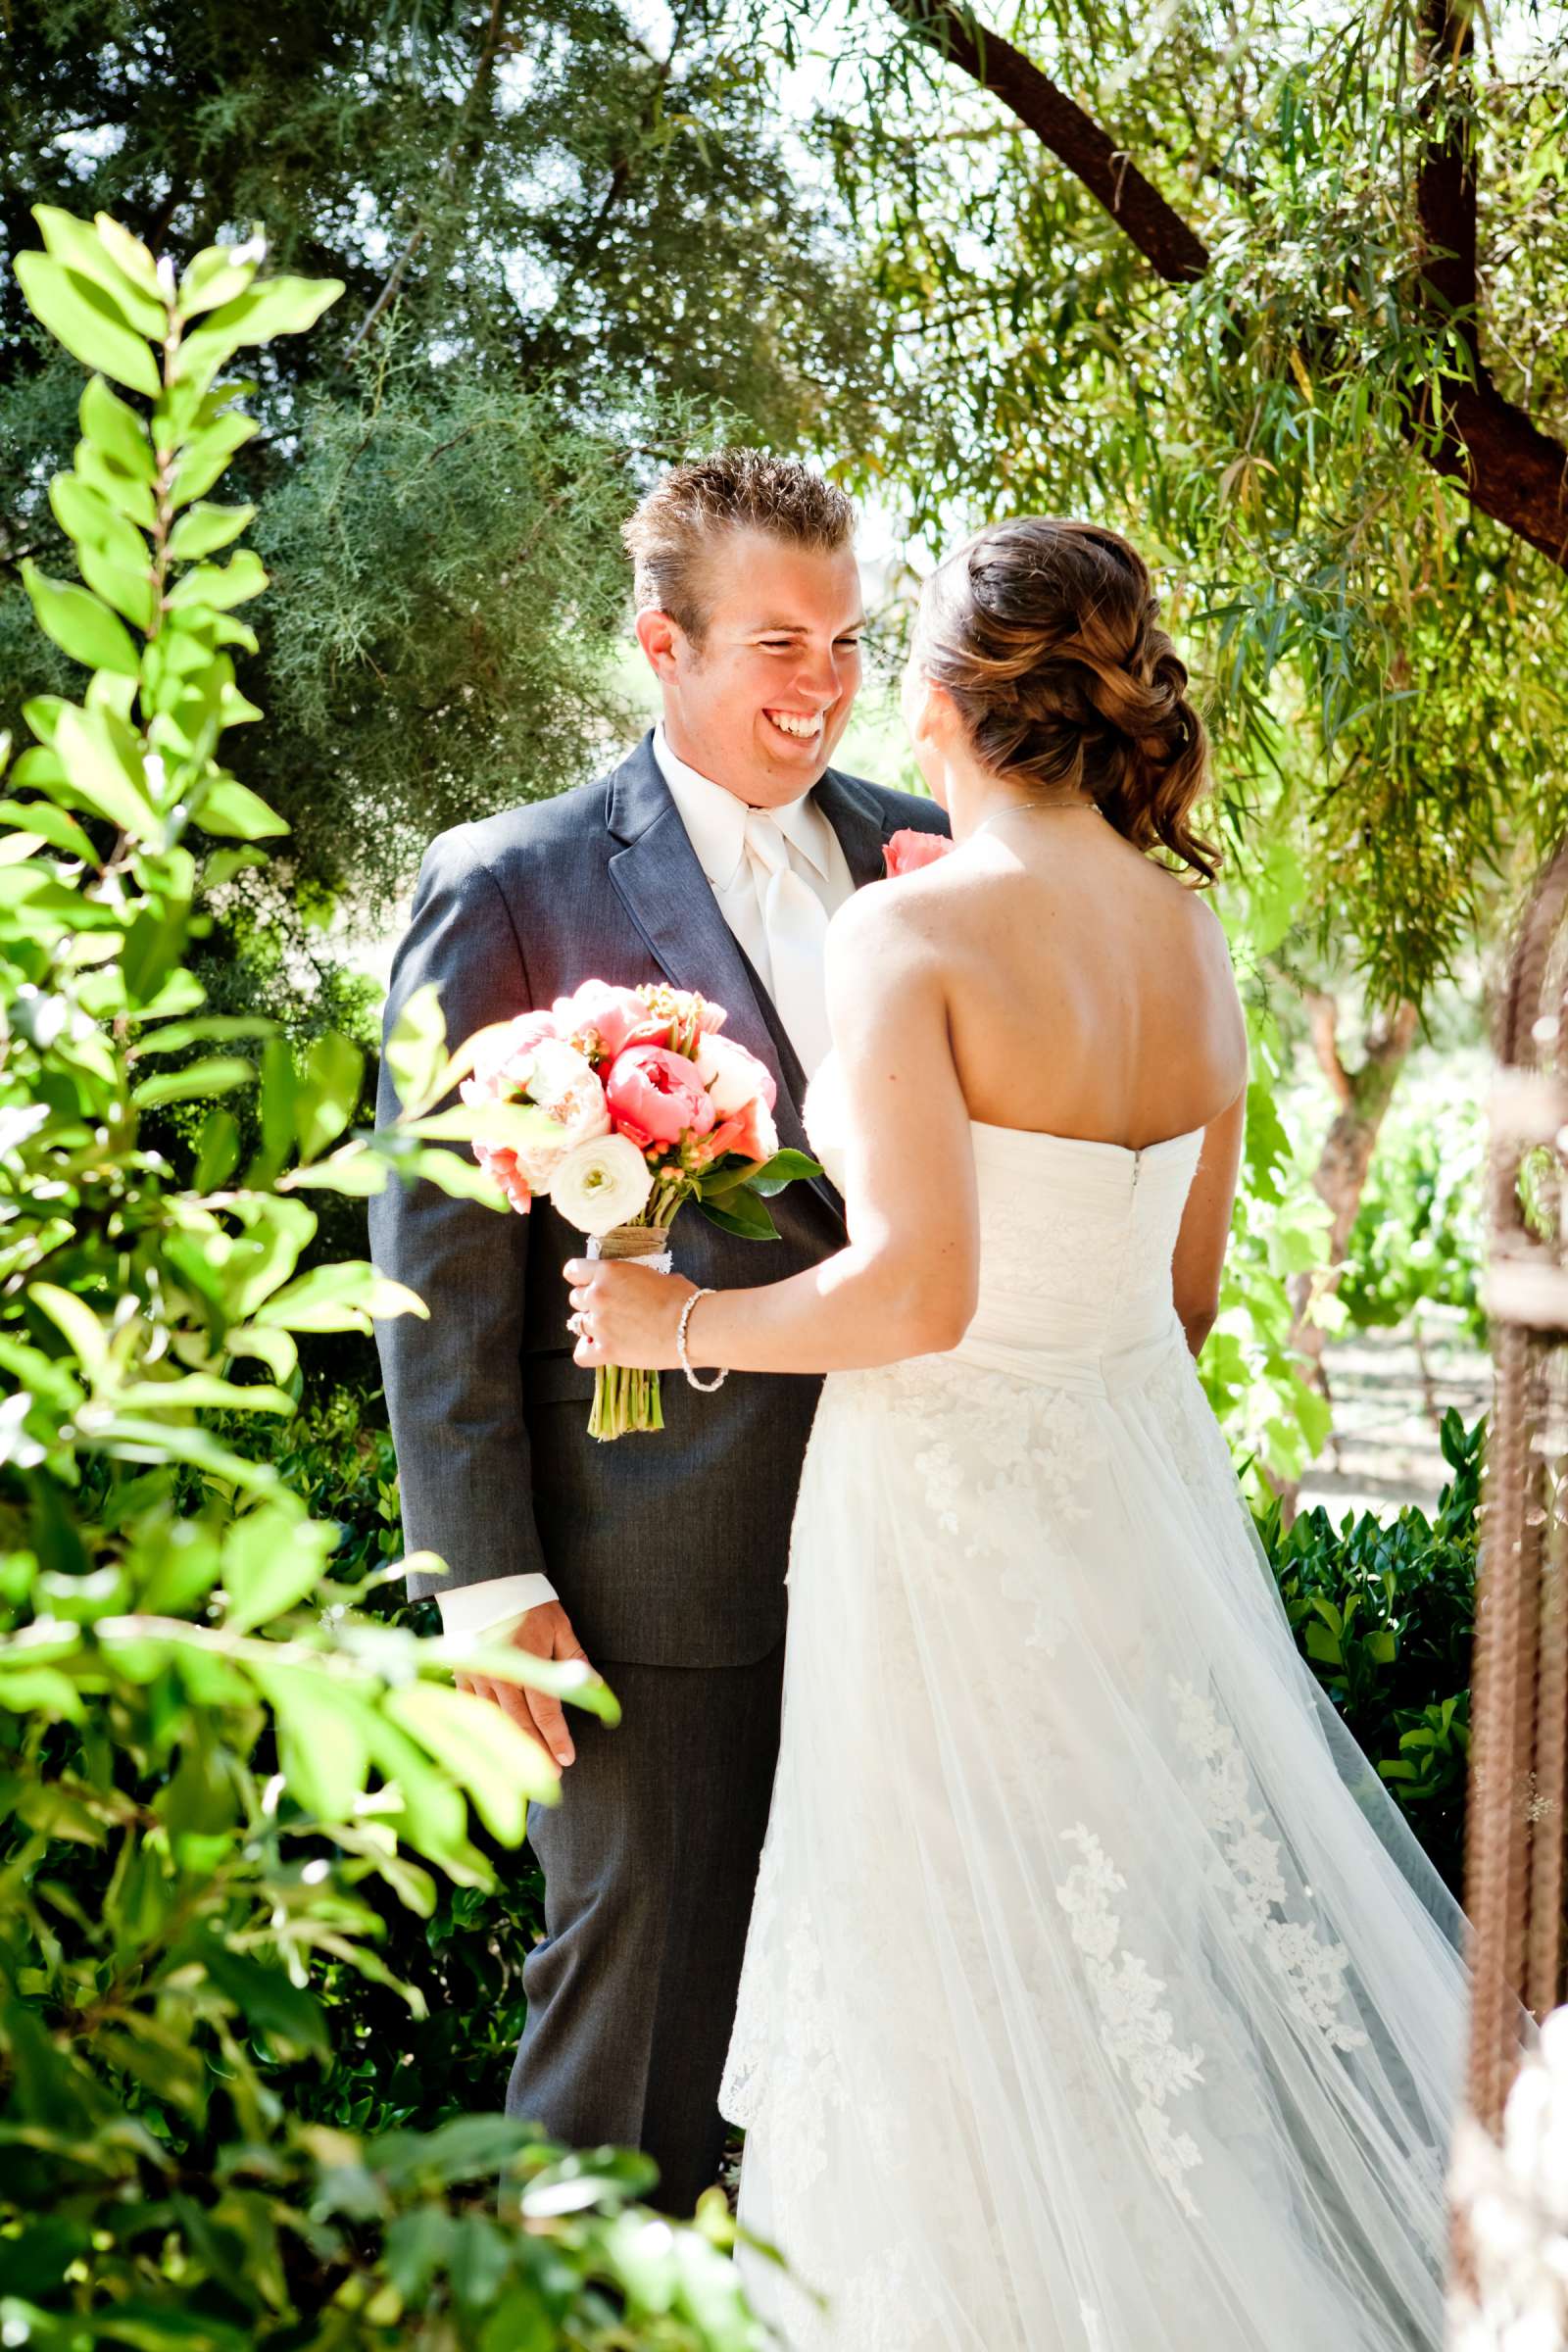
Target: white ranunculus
(767,1132)
(731,1075)
(602,1184)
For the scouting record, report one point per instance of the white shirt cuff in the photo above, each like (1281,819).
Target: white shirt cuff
(470,1610)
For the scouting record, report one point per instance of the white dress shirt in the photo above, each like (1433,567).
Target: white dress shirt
(739,875)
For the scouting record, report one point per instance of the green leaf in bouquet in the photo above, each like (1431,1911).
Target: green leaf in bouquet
(784,1168)
(739,1212)
(80,314)
(79,622)
(203,528)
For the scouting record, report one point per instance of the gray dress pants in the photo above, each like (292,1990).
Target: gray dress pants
(650,1862)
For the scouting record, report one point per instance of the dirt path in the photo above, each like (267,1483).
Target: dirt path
(1389,1394)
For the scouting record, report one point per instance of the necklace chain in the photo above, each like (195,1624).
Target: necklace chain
(1017,809)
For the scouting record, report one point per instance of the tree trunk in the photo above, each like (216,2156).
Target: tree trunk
(1340,1178)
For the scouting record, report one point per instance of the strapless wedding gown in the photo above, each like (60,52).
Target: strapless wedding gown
(1097,1997)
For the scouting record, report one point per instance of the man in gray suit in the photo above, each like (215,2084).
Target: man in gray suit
(711,857)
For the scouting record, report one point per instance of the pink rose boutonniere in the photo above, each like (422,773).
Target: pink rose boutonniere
(907,852)
(619,1105)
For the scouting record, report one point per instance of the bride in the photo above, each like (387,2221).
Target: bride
(1096,1998)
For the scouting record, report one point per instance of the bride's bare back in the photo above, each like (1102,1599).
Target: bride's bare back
(1090,992)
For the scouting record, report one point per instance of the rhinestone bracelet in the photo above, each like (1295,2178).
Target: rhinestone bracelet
(706,1386)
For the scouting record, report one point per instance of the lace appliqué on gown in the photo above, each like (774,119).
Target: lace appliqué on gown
(1136,2030)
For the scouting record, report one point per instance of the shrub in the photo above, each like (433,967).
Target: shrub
(217,1777)
(1384,1616)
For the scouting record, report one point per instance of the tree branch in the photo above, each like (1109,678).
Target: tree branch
(1463,424)
(1173,248)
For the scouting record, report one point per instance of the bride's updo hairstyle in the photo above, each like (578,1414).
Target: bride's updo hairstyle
(1045,634)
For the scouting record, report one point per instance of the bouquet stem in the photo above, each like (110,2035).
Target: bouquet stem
(626,1399)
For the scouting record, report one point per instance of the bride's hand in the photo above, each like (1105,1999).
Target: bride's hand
(628,1314)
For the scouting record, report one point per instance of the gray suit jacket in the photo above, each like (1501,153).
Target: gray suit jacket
(666,1549)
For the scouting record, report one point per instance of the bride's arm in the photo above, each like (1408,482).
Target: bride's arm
(906,1283)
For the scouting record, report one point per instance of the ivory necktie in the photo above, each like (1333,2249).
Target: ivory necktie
(795,920)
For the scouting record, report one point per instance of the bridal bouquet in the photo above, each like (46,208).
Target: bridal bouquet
(637,1104)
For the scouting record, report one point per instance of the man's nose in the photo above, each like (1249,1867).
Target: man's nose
(822,674)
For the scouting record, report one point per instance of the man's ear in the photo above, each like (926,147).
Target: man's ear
(663,641)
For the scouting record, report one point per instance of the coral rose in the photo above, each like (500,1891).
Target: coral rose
(656,1097)
(907,852)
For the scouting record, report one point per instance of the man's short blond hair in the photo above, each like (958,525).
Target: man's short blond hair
(735,489)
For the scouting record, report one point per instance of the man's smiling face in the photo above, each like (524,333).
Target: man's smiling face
(759,701)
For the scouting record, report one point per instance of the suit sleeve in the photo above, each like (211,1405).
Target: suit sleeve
(454,1384)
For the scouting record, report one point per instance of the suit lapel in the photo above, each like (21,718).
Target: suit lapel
(667,894)
(857,817)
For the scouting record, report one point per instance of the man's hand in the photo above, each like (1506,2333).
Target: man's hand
(545,1633)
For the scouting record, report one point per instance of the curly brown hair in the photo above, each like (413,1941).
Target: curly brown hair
(734,489)
(1045,634)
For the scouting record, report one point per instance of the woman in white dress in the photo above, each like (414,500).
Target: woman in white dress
(1098,1998)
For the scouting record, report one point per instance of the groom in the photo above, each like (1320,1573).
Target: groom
(711,857)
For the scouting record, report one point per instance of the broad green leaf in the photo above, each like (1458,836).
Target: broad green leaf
(80,624)
(218,274)
(740,1212)
(415,1051)
(115,430)
(264,1996)
(484,1751)
(82,247)
(212,1028)
(219,1074)
(334,1070)
(273,1558)
(88,518)
(220,585)
(322,1743)
(232,810)
(204,459)
(102,762)
(784,1168)
(273,305)
(132,255)
(192,1392)
(75,1318)
(127,493)
(342,1297)
(355,1172)
(453,1173)
(216,1150)
(131,594)
(82,316)
(203,528)
(51,824)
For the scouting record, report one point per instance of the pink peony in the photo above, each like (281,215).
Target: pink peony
(616,1016)
(502,1166)
(500,1066)
(907,852)
(656,1097)
(733,1076)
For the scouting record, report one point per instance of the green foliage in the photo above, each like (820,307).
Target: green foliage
(219,1777)
(1368,639)
(1383,1615)
(1417,1236)
(571,246)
